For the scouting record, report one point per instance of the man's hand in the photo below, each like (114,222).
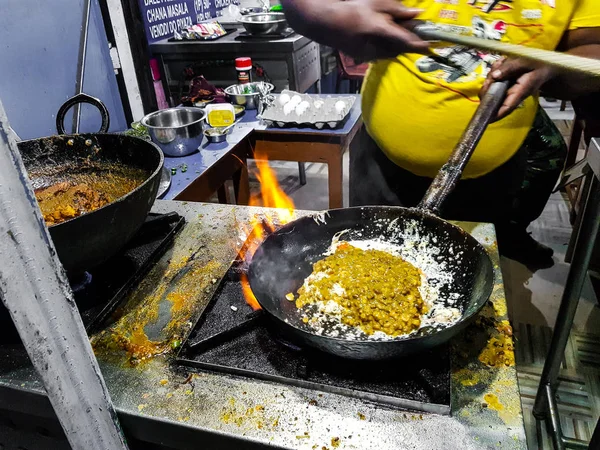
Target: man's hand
(528,78)
(364,29)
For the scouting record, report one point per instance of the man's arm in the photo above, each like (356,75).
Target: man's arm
(365,29)
(583,42)
(531,78)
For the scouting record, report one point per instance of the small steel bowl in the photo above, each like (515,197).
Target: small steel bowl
(251,10)
(251,99)
(264,23)
(215,137)
(177,131)
(239,111)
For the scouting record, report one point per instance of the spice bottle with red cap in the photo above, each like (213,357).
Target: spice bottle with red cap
(243,66)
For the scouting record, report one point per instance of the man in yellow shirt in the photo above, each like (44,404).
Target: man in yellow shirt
(417,100)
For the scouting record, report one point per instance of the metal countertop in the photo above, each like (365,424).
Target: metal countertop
(175,408)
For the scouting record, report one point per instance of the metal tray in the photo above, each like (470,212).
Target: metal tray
(315,116)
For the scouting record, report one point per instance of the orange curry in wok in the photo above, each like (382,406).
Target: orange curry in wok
(85,192)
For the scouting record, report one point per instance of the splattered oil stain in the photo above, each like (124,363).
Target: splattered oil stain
(493,402)
(472,380)
(163,306)
(499,351)
(248,417)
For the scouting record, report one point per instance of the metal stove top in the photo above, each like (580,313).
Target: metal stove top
(100,291)
(232,338)
(163,403)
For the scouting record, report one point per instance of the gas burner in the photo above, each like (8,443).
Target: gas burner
(100,291)
(229,327)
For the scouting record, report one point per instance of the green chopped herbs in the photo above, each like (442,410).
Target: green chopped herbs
(184,167)
(138,130)
(173,170)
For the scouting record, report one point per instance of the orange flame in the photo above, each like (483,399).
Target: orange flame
(271,196)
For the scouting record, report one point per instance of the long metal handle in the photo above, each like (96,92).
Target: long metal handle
(564,61)
(450,173)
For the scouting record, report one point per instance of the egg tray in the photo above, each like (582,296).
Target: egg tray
(325,116)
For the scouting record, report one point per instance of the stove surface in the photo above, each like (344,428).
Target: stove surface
(100,291)
(230,337)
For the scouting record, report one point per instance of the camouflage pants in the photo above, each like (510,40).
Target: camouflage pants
(545,154)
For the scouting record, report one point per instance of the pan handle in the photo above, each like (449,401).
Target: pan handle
(449,175)
(82,98)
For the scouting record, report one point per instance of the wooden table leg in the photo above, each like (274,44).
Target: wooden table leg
(222,195)
(241,185)
(302,173)
(336,179)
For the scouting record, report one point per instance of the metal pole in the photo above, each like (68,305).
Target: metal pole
(590,224)
(553,418)
(35,290)
(85,26)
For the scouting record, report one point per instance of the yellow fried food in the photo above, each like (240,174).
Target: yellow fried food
(86,192)
(377,291)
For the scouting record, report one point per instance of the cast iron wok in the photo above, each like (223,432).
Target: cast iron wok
(282,262)
(88,240)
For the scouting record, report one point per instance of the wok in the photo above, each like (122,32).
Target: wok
(285,258)
(88,240)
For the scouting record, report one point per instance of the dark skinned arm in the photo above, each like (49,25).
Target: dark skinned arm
(364,29)
(583,42)
(532,78)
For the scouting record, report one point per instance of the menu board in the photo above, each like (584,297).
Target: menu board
(163,17)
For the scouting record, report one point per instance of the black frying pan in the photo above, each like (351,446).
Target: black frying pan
(285,258)
(88,240)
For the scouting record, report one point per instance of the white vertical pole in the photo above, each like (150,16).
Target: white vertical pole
(117,19)
(35,290)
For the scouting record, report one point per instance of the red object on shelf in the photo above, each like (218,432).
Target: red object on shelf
(243,66)
(155,69)
(348,69)
(243,63)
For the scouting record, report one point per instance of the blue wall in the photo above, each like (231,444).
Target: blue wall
(39,45)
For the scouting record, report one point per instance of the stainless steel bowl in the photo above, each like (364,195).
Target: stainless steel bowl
(264,23)
(177,131)
(239,111)
(251,99)
(214,137)
(251,10)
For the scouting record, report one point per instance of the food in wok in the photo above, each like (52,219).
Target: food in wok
(84,192)
(366,288)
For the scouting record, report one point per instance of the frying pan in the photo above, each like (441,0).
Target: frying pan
(285,258)
(88,240)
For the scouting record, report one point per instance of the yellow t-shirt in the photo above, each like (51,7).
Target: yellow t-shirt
(416,107)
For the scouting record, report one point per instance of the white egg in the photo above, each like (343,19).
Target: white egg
(305,104)
(340,106)
(296,99)
(318,104)
(300,109)
(283,99)
(288,108)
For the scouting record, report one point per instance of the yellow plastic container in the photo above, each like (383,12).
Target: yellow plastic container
(220,115)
